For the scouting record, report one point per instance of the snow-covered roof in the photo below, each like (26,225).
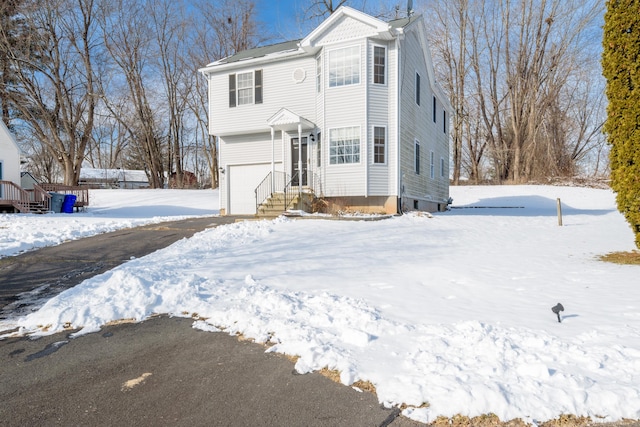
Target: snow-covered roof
(113,175)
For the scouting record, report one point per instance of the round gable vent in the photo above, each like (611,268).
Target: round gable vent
(298,75)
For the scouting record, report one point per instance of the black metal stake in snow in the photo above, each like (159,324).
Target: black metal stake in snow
(557,309)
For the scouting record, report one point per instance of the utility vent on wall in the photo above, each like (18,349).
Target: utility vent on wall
(299,75)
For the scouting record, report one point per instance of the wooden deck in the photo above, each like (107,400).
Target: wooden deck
(14,198)
(81,193)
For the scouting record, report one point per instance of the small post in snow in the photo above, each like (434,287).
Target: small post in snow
(559,212)
(557,309)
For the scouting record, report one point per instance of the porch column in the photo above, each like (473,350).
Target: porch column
(300,160)
(273,161)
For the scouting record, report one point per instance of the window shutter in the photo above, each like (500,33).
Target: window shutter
(258,87)
(417,88)
(232,90)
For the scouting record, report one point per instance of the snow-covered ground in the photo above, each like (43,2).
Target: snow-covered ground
(453,311)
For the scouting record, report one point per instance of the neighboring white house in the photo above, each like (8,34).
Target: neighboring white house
(9,156)
(354,106)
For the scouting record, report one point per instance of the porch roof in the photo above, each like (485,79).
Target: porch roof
(286,120)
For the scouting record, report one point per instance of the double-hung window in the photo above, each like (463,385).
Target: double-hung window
(416,156)
(379,145)
(434,109)
(344,66)
(444,121)
(379,64)
(344,145)
(245,88)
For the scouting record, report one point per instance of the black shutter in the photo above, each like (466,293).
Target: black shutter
(258,87)
(417,88)
(232,90)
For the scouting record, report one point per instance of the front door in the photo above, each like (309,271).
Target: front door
(295,155)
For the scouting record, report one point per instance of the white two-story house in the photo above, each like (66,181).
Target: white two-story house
(352,112)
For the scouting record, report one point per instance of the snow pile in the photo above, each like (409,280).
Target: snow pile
(109,210)
(453,311)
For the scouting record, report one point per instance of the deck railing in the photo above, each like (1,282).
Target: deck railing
(13,195)
(40,197)
(81,193)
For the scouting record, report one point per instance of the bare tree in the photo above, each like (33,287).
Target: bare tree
(449,43)
(55,85)
(220,32)
(128,39)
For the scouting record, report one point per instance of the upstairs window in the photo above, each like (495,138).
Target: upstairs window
(444,121)
(344,66)
(245,88)
(344,145)
(417,88)
(379,64)
(434,109)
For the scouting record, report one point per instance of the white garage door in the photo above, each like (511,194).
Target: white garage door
(243,180)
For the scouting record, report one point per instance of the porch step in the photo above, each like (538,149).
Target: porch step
(37,207)
(274,206)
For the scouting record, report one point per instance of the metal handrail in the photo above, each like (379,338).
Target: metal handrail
(289,192)
(272,183)
(263,190)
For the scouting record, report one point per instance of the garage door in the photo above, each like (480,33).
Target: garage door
(243,180)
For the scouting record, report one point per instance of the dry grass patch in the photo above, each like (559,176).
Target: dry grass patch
(486,420)
(567,420)
(625,258)
(334,376)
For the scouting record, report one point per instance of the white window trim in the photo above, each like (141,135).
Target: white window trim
(328,67)
(328,145)
(251,88)
(386,64)
(373,145)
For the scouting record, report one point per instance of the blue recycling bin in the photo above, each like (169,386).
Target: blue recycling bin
(57,200)
(67,204)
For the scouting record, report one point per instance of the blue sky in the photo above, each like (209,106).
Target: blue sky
(282,17)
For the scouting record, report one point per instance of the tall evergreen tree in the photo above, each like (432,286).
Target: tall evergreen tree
(621,68)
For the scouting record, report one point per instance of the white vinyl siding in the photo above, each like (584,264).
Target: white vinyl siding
(344,66)
(344,145)
(279,89)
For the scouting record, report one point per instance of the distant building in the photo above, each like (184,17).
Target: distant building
(113,178)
